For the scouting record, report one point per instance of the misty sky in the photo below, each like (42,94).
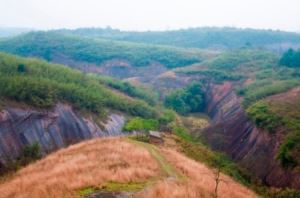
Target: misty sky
(150,14)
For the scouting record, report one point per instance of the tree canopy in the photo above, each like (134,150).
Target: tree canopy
(189,99)
(291,58)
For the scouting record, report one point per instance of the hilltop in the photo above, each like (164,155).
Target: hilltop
(119,167)
(202,37)
(53,46)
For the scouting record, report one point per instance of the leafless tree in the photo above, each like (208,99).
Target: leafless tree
(217,180)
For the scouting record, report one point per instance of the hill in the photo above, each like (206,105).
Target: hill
(42,85)
(50,45)
(251,99)
(205,37)
(118,167)
(53,106)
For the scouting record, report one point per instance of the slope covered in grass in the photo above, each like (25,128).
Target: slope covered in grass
(281,111)
(47,45)
(195,37)
(256,73)
(42,85)
(88,164)
(118,165)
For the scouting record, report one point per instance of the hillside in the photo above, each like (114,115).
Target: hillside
(250,96)
(205,37)
(119,167)
(41,85)
(52,46)
(241,90)
(55,106)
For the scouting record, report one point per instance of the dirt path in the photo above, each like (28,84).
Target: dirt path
(167,168)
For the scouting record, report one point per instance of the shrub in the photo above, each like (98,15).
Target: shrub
(290,58)
(263,117)
(140,124)
(189,99)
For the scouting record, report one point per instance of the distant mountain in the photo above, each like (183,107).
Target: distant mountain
(50,45)
(9,32)
(205,37)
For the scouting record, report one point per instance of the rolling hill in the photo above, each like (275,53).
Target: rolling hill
(119,167)
(205,37)
(250,96)
(50,46)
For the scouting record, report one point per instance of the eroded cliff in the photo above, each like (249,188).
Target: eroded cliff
(232,132)
(52,129)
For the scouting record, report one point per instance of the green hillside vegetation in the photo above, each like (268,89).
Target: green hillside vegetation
(41,84)
(140,124)
(47,44)
(291,58)
(217,76)
(150,96)
(270,116)
(189,99)
(204,37)
(261,67)
(263,117)
(233,66)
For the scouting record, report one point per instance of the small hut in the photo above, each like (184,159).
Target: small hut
(155,137)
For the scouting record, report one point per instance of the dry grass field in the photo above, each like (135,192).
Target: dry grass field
(87,164)
(93,164)
(200,181)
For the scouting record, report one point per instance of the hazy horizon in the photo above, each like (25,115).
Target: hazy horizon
(140,15)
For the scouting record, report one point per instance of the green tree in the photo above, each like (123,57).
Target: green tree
(290,58)
(189,99)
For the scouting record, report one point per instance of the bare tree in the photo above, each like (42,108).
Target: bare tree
(217,180)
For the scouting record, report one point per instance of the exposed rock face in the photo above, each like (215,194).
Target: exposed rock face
(51,129)
(232,132)
(118,68)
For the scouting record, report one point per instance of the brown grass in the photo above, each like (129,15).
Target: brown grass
(97,162)
(88,164)
(200,182)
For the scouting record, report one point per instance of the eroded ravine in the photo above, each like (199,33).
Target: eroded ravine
(233,132)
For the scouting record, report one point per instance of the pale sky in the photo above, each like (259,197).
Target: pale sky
(150,14)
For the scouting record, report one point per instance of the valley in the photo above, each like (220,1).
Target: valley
(229,111)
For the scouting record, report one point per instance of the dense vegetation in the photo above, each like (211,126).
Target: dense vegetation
(291,58)
(258,66)
(262,117)
(262,89)
(47,45)
(195,37)
(143,93)
(271,115)
(189,99)
(42,84)
(142,125)
(233,66)
(145,125)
